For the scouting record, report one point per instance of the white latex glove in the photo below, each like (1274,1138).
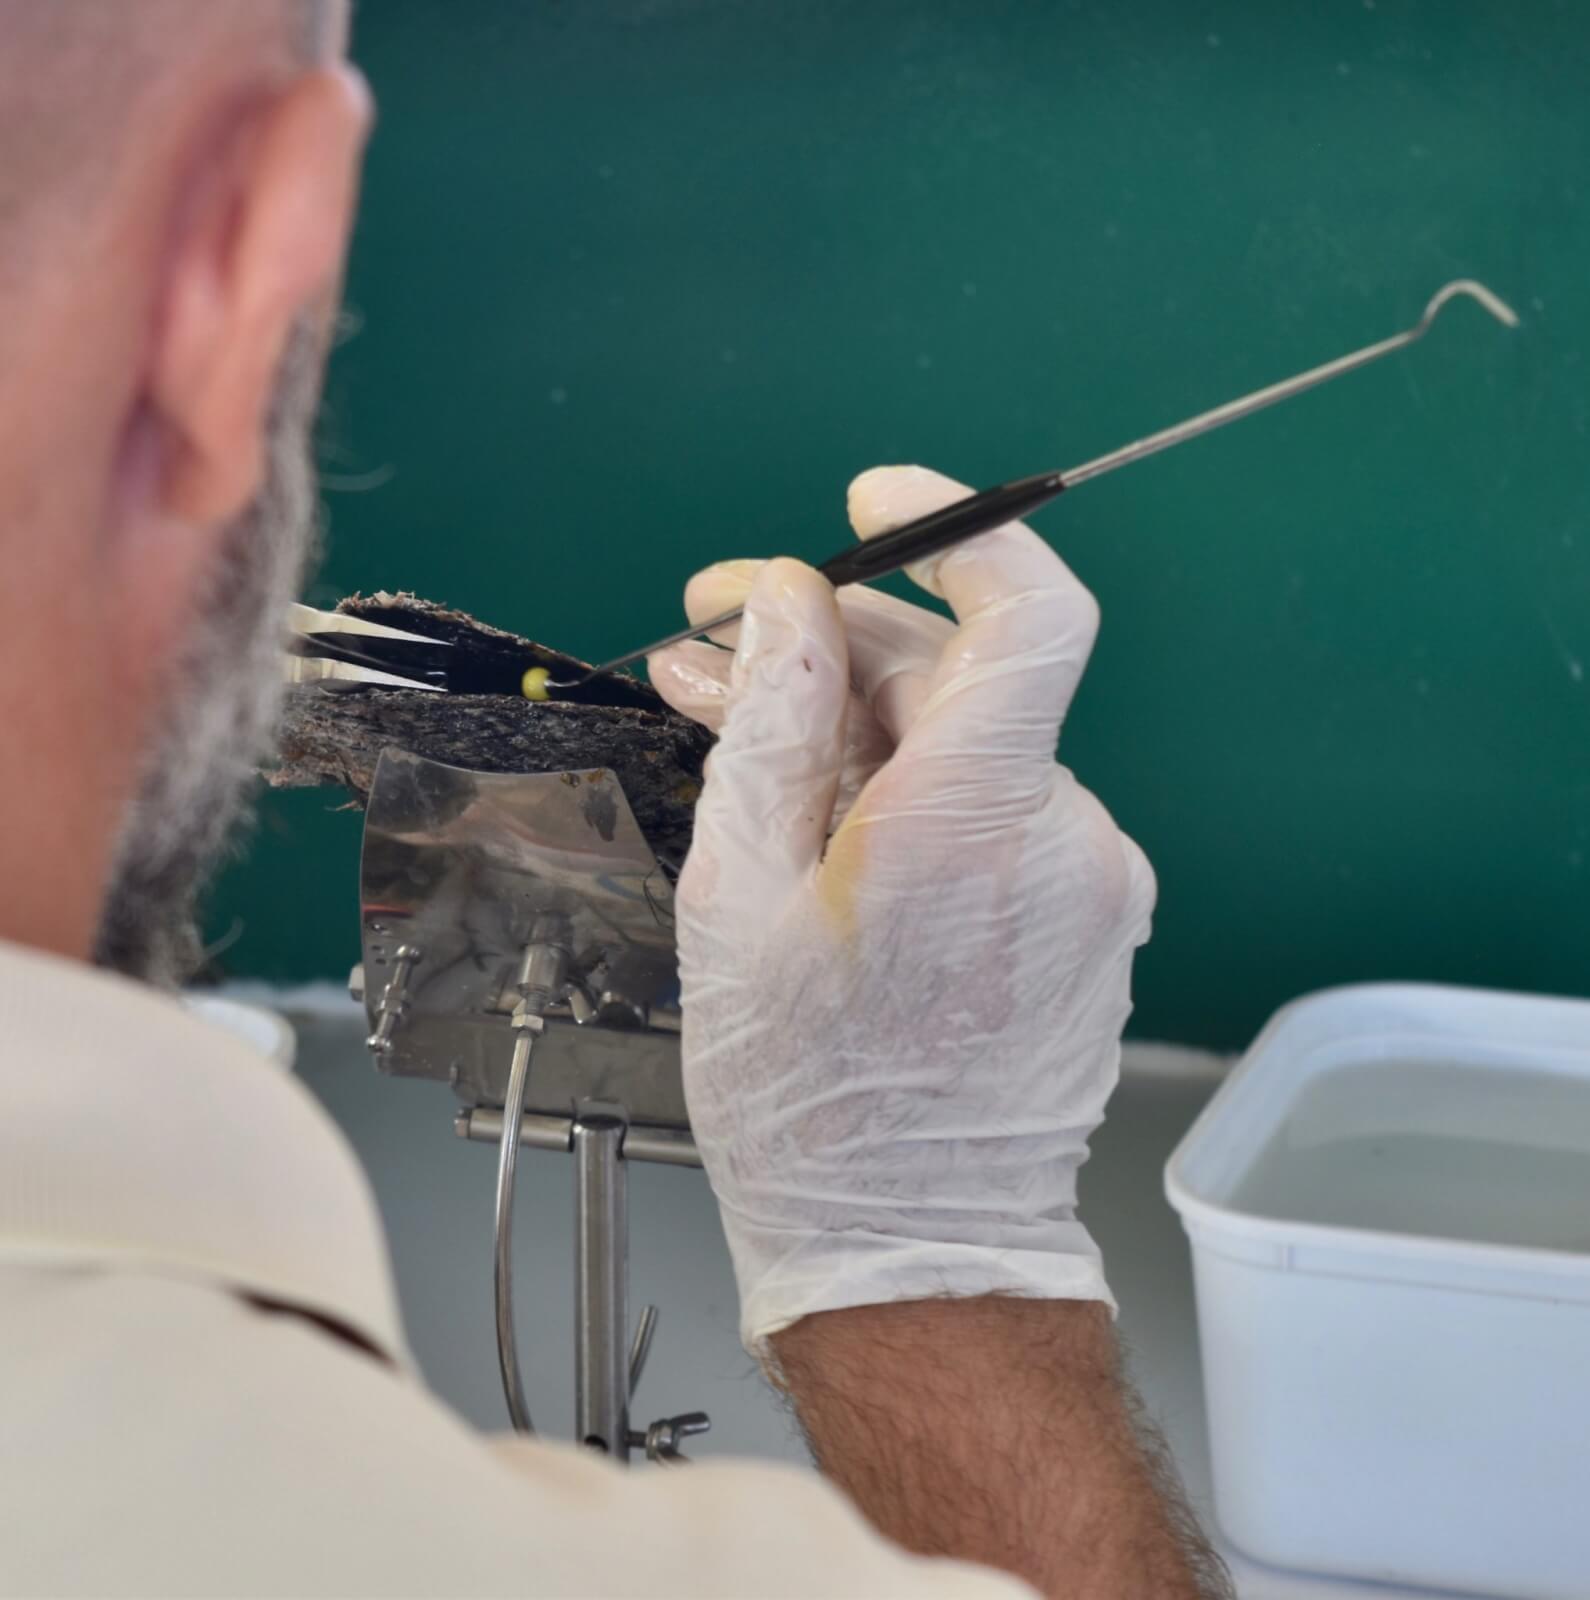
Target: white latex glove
(898,1039)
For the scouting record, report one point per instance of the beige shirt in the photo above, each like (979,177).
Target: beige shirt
(163,1431)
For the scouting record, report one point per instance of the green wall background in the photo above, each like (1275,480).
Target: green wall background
(644,282)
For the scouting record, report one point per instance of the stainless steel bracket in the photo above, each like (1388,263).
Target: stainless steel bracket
(517,943)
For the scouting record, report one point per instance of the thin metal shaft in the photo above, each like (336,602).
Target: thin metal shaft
(502,1260)
(695,630)
(640,1346)
(1152,444)
(601,1286)
(1232,410)
(539,982)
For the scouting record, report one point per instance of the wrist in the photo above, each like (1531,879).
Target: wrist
(853,1269)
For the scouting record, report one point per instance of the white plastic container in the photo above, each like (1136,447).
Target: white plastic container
(267,1031)
(1389,1208)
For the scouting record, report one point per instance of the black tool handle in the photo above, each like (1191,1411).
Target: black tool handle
(938,530)
(877,558)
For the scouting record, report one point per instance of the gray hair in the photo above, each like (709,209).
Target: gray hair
(199,776)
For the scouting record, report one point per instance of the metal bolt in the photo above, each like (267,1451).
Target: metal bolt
(395,1001)
(662,1439)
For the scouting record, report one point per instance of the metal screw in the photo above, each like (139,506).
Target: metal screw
(662,1439)
(395,1001)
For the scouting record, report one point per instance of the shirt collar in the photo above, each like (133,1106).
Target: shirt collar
(133,1135)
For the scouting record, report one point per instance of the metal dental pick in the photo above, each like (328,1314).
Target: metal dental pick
(1009,502)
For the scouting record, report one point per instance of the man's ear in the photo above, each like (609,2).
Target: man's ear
(262,242)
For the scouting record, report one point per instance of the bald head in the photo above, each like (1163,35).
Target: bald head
(78,78)
(121,41)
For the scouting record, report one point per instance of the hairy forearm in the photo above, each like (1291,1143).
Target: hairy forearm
(1001,1431)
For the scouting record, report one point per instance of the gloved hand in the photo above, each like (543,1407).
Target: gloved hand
(898,1039)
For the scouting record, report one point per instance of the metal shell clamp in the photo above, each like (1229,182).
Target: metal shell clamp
(517,936)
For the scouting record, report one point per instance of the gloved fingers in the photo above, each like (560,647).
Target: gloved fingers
(1005,679)
(694,679)
(882,499)
(766,809)
(1142,890)
(894,646)
(719,588)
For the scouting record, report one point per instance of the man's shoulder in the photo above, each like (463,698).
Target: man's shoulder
(170,1436)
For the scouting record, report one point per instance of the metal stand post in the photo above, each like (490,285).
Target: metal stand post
(601,1284)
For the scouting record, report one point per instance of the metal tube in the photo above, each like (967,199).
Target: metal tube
(601,1286)
(640,1346)
(545,962)
(502,1243)
(669,1147)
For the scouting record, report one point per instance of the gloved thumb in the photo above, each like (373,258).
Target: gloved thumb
(768,804)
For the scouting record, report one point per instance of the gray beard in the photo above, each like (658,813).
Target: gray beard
(200,776)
